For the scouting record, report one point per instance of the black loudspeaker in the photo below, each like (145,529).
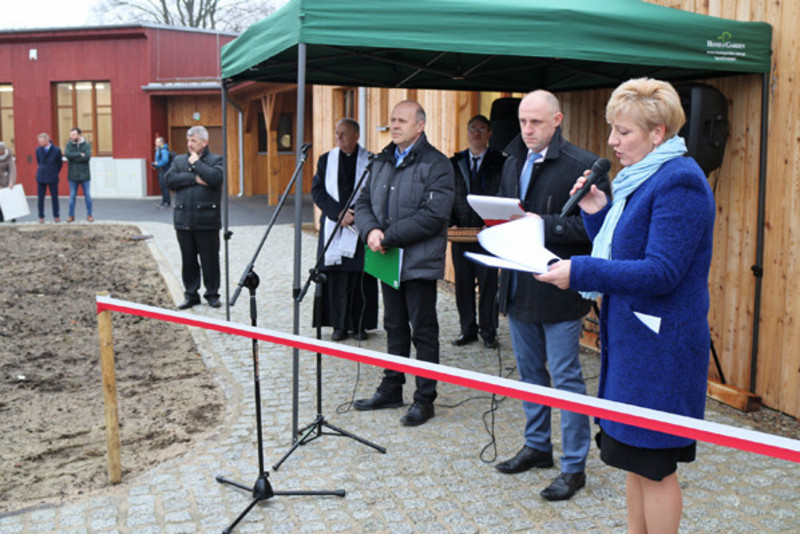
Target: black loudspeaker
(706,128)
(504,121)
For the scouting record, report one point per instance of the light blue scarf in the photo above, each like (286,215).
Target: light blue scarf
(626,182)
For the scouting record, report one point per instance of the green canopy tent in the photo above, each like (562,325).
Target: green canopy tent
(498,45)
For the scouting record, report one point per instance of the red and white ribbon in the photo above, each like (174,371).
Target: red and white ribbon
(688,427)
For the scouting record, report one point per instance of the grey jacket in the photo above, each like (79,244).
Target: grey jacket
(411,204)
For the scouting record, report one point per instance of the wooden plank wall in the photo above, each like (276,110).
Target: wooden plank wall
(732,282)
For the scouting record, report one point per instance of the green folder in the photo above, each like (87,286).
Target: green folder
(385,267)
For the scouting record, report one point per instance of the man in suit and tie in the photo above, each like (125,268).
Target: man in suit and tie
(477,170)
(49,161)
(545,322)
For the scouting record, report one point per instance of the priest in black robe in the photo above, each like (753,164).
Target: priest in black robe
(349,298)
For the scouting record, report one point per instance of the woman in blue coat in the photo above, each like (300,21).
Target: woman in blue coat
(650,261)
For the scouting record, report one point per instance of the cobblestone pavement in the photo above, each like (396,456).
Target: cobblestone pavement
(432,478)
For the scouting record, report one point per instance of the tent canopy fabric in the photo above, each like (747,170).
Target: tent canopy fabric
(501,45)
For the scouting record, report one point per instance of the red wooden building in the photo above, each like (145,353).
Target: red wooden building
(122,85)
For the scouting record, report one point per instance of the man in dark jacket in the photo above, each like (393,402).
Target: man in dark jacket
(349,295)
(406,203)
(49,161)
(78,153)
(477,172)
(196,178)
(545,321)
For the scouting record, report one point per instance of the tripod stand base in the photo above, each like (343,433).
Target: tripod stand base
(308,434)
(261,491)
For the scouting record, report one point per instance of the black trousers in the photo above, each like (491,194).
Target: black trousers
(409,315)
(347,308)
(162,184)
(41,193)
(202,244)
(467,272)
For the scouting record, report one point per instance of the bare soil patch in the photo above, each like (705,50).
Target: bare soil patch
(52,432)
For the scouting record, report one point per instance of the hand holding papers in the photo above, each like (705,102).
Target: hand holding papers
(495,210)
(517,245)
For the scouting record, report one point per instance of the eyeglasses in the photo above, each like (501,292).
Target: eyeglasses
(478,129)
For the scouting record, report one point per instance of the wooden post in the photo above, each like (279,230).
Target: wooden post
(110,394)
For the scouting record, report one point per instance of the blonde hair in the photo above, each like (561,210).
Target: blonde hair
(648,103)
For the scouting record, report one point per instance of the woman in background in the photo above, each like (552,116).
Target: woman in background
(8,170)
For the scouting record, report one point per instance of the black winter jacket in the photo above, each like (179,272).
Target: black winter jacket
(551,182)
(197,207)
(411,204)
(487,183)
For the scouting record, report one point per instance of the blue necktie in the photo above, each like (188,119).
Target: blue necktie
(525,177)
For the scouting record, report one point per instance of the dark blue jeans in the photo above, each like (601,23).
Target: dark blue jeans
(409,315)
(162,184)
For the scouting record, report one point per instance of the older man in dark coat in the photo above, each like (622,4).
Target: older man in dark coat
(49,161)
(196,178)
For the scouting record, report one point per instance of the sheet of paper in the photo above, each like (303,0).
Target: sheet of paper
(520,242)
(495,210)
(650,321)
(500,263)
(13,202)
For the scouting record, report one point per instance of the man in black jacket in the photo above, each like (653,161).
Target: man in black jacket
(545,321)
(406,203)
(477,171)
(196,177)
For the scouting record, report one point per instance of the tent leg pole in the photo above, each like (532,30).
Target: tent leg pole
(226,234)
(758,268)
(298,221)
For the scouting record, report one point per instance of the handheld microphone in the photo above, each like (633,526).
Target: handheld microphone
(305,147)
(599,168)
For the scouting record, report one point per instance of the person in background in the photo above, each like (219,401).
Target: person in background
(477,171)
(161,163)
(196,177)
(406,203)
(345,309)
(546,321)
(49,162)
(8,170)
(650,261)
(78,153)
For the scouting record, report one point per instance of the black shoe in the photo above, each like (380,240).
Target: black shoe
(379,401)
(361,335)
(189,302)
(338,335)
(463,339)
(214,302)
(564,486)
(417,414)
(526,458)
(490,342)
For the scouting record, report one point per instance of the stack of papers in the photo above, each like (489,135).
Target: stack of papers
(517,245)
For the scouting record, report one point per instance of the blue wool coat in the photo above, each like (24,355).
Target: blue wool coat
(658,274)
(50,163)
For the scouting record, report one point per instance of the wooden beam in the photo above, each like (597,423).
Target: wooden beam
(732,396)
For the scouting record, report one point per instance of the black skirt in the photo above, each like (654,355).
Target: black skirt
(654,464)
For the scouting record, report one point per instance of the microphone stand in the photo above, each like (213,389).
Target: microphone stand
(315,430)
(262,489)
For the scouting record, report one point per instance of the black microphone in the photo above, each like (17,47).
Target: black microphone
(305,147)
(599,168)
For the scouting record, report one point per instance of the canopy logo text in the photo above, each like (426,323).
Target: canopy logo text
(723,48)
